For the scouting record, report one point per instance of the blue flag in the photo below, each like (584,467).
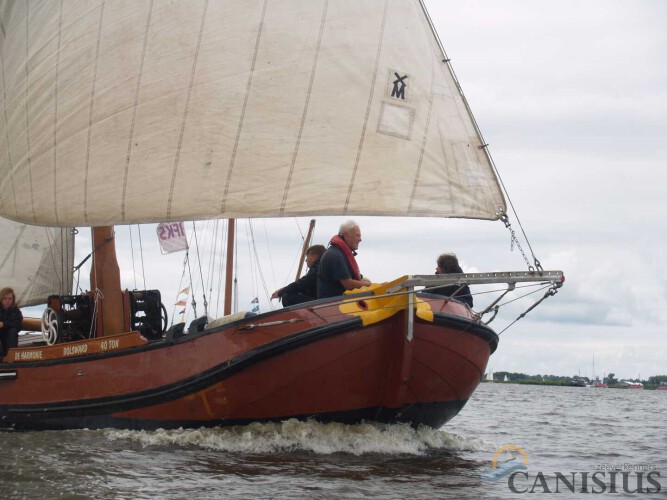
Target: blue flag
(254,305)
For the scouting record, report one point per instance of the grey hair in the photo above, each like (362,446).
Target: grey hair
(347,226)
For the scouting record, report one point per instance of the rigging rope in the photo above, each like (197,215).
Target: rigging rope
(134,271)
(259,267)
(201,275)
(141,249)
(192,285)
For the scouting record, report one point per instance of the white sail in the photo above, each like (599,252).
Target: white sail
(35,261)
(151,110)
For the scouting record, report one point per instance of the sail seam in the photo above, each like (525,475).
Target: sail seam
(27,115)
(421,153)
(232,160)
(90,112)
(185,111)
(55,116)
(134,110)
(305,107)
(12,248)
(368,108)
(9,153)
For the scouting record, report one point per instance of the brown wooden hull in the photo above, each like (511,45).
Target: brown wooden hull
(319,360)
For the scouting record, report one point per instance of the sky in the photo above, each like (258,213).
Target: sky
(572,99)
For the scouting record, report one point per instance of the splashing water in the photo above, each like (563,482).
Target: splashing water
(312,436)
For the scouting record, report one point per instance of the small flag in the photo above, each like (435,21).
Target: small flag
(254,304)
(185,290)
(181,303)
(172,237)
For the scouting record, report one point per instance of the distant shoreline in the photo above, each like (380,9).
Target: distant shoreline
(563,383)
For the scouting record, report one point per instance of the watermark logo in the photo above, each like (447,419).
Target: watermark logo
(510,465)
(507,460)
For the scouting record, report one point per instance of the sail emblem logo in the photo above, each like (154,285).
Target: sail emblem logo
(506,460)
(398,88)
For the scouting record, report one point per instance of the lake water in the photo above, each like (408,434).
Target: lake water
(572,431)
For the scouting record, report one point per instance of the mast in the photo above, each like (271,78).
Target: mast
(306,244)
(229,270)
(105,277)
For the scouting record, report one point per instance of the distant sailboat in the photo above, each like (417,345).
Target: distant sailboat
(489,376)
(596,382)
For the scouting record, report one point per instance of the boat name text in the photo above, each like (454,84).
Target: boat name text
(73,350)
(27,355)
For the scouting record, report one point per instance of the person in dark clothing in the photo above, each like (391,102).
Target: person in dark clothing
(305,288)
(447,264)
(338,268)
(10,321)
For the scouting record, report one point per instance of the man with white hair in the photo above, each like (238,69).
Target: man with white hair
(339,270)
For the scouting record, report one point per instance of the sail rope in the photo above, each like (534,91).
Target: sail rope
(213,252)
(180,287)
(268,249)
(141,250)
(260,273)
(134,270)
(201,275)
(192,285)
(221,267)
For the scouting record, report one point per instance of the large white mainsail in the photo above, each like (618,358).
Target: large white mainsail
(137,111)
(35,261)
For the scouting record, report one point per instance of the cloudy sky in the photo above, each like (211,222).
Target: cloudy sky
(572,98)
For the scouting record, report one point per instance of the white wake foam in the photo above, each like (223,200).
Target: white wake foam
(295,435)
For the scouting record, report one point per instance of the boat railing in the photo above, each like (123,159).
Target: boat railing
(552,280)
(507,277)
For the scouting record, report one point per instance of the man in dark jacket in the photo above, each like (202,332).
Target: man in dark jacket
(305,288)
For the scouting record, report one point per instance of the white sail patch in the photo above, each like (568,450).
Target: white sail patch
(396,120)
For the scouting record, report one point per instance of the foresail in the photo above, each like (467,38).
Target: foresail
(35,261)
(135,111)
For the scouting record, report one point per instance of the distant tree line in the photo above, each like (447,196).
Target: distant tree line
(610,379)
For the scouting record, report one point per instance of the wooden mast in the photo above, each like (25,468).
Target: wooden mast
(306,244)
(105,277)
(229,270)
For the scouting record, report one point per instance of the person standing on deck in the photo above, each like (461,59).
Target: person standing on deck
(339,270)
(305,288)
(10,321)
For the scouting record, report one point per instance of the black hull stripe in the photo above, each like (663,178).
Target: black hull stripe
(434,414)
(467,326)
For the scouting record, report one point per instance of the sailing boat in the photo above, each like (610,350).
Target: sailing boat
(595,381)
(170,111)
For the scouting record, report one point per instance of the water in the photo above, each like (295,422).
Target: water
(560,429)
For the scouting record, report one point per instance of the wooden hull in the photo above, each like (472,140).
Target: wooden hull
(321,360)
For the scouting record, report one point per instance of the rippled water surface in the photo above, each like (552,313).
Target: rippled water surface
(559,429)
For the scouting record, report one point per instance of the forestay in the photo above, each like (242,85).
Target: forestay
(138,111)
(35,261)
